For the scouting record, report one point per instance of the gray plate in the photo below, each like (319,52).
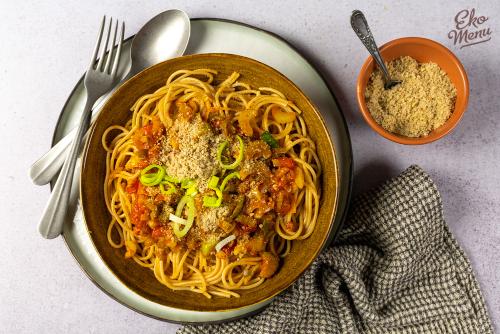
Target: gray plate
(213,35)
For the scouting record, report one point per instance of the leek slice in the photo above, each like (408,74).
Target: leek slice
(210,201)
(224,242)
(239,158)
(229,178)
(189,202)
(171,188)
(152,179)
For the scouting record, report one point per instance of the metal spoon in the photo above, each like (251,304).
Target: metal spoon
(163,37)
(361,28)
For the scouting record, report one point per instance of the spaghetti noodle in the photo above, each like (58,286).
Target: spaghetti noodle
(208,184)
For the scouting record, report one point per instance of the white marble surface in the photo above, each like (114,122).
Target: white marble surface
(46,46)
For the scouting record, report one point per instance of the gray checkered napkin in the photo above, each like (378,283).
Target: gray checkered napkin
(395,268)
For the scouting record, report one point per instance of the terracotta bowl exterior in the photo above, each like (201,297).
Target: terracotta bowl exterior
(423,50)
(117,111)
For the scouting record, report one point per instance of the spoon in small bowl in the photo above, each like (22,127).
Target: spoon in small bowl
(361,28)
(163,37)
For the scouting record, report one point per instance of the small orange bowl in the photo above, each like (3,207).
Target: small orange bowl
(422,50)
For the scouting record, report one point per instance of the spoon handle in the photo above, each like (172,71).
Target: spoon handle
(361,28)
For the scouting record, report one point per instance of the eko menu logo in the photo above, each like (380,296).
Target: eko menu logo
(470,29)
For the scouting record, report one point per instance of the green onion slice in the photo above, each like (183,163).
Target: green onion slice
(239,158)
(149,178)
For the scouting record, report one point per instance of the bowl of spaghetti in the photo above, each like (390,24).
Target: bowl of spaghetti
(209,183)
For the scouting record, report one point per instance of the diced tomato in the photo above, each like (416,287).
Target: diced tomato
(154,151)
(132,187)
(140,213)
(228,249)
(286,205)
(161,231)
(270,263)
(156,127)
(147,137)
(158,199)
(284,162)
(141,190)
(247,228)
(283,185)
(148,129)
(142,164)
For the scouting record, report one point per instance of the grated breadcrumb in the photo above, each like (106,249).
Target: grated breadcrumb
(421,103)
(189,150)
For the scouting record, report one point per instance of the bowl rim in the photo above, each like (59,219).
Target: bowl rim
(360,94)
(331,215)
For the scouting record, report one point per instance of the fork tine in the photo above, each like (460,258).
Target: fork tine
(111,49)
(104,49)
(119,50)
(98,43)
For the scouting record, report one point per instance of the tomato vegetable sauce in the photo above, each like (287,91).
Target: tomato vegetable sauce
(253,182)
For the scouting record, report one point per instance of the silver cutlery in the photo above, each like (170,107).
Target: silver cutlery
(362,30)
(99,78)
(163,37)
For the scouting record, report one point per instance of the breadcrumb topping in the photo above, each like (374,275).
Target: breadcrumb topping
(189,150)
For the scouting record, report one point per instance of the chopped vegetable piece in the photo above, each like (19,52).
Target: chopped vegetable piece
(229,178)
(171,188)
(247,221)
(192,191)
(208,245)
(131,248)
(132,186)
(189,202)
(245,124)
(177,219)
(299,177)
(269,265)
(226,226)
(224,242)
(239,158)
(213,182)
(284,162)
(187,183)
(171,179)
(154,178)
(239,206)
(210,201)
(269,139)
(282,116)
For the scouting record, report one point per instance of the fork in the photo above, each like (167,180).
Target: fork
(99,78)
